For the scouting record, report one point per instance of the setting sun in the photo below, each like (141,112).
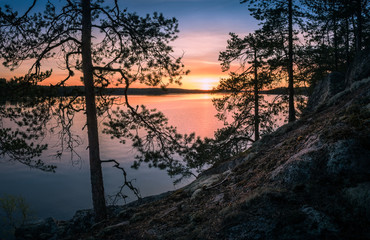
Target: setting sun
(203,83)
(206,86)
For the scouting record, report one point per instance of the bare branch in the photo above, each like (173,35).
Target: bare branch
(126,182)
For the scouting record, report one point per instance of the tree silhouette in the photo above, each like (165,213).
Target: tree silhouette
(107,44)
(244,85)
(278,18)
(28,117)
(334,32)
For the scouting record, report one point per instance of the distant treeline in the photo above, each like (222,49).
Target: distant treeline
(11,90)
(15,89)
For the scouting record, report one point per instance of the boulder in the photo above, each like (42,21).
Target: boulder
(39,229)
(360,68)
(326,89)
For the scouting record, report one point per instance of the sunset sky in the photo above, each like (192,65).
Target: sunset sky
(204,27)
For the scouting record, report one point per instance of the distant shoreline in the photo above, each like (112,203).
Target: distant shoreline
(11,91)
(159,91)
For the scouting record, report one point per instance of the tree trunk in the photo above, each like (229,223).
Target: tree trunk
(347,43)
(290,64)
(359,26)
(335,37)
(256,103)
(96,175)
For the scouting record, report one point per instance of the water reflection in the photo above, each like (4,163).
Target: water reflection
(61,194)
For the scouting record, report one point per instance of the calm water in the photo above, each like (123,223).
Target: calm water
(60,194)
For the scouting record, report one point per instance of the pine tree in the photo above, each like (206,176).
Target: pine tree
(244,85)
(279,18)
(129,49)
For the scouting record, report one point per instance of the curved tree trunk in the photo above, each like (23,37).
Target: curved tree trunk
(96,175)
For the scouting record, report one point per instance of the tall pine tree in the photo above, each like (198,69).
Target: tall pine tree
(279,18)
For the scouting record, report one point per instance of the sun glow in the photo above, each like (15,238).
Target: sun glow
(206,86)
(205,83)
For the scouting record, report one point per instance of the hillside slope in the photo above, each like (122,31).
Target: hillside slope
(308,180)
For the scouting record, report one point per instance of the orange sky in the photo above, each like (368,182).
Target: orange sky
(204,27)
(200,57)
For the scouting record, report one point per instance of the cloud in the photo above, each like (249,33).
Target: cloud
(200,45)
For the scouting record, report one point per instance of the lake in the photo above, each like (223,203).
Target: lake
(60,194)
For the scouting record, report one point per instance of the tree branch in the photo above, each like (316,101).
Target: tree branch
(125,183)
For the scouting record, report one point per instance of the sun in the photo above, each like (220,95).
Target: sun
(201,82)
(207,83)
(206,86)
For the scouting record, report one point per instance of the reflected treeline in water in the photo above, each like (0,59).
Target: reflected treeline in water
(29,115)
(34,111)
(25,113)
(29,112)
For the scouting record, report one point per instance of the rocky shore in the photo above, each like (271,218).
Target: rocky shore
(308,180)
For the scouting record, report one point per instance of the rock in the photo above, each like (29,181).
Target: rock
(324,90)
(196,217)
(339,157)
(360,68)
(39,229)
(138,217)
(359,197)
(251,230)
(348,157)
(98,225)
(203,181)
(126,214)
(82,221)
(48,228)
(317,222)
(218,198)
(46,236)
(114,227)
(196,194)
(168,211)
(297,170)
